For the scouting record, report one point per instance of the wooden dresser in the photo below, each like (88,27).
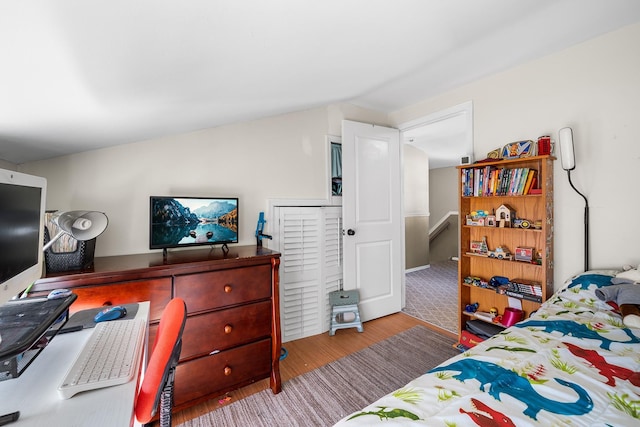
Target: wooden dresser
(232,335)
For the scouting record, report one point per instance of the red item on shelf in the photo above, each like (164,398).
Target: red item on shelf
(469,340)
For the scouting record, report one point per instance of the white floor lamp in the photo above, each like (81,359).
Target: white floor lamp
(567,157)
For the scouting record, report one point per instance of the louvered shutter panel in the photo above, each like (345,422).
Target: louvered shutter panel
(332,259)
(300,272)
(309,240)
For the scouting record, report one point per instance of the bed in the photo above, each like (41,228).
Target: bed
(572,363)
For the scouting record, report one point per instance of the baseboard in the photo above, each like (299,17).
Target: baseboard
(421,267)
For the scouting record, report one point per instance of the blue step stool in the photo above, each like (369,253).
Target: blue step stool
(344,311)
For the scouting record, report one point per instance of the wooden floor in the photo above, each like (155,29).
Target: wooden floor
(310,353)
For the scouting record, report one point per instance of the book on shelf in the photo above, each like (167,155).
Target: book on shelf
(523,180)
(535,191)
(503,181)
(534,184)
(515,181)
(522,290)
(519,295)
(492,181)
(496,179)
(528,289)
(530,176)
(525,286)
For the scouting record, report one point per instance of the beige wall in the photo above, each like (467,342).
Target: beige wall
(338,112)
(445,245)
(443,192)
(416,207)
(595,89)
(416,242)
(273,158)
(592,87)
(443,198)
(7,165)
(279,157)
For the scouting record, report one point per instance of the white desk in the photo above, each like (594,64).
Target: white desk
(35,392)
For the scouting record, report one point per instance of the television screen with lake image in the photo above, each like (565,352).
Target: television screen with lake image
(192,221)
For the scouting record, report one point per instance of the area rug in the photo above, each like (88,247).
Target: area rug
(432,295)
(325,395)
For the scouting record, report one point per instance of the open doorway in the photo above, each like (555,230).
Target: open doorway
(434,146)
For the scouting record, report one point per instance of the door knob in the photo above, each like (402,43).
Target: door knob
(351,232)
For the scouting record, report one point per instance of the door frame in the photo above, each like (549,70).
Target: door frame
(444,114)
(447,113)
(464,108)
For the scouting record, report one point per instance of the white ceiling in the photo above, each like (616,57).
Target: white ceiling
(445,137)
(78,75)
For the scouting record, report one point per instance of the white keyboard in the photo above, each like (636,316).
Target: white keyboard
(108,358)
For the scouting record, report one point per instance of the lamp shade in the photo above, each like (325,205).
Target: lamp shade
(81,225)
(567,155)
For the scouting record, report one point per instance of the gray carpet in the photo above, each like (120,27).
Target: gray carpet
(327,394)
(432,295)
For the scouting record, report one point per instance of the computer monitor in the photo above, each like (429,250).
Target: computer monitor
(22,209)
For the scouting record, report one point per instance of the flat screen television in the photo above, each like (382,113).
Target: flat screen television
(192,221)
(22,209)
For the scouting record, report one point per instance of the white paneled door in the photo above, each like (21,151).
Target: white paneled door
(372,217)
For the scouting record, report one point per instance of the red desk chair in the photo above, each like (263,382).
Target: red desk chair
(157,386)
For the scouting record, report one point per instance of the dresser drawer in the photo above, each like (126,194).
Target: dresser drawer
(221,372)
(206,291)
(223,329)
(156,291)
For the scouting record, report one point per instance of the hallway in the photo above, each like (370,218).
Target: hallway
(432,295)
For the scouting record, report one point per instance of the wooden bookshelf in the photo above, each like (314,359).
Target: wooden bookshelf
(534,205)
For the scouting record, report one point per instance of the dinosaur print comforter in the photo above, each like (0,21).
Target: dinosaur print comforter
(573,363)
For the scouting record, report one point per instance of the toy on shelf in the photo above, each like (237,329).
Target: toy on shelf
(477,218)
(524,253)
(479,247)
(476,281)
(471,308)
(497,281)
(538,259)
(483,315)
(475,221)
(500,252)
(504,215)
(521,223)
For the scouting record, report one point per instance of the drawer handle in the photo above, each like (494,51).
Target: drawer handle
(227,288)
(227,370)
(228,329)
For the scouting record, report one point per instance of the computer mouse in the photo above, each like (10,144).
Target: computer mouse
(110,313)
(59,293)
